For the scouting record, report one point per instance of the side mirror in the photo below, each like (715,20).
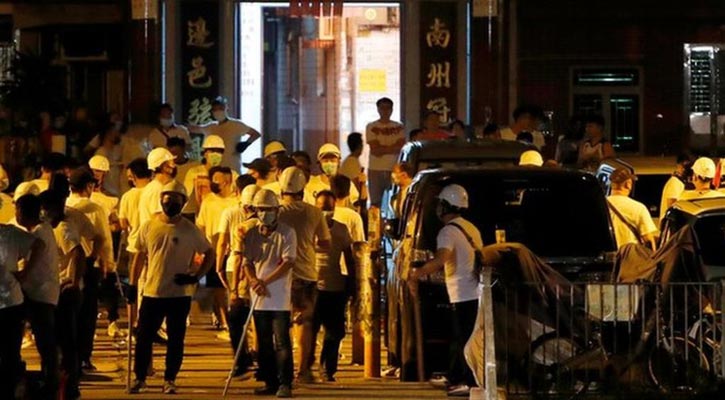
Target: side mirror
(391,228)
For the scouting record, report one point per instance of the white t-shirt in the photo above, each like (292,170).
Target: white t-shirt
(387,134)
(42,285)
(68,235)
(352,220)
(232,131)
(98,217)
(351,167)
(129,210)
(316,185)
(14,245)
(266,254)
(694,194)
(461,283)
(42,184)
(310,226)
(635,213)
(150,201)
(170,248)
(159,135)
(672,191)
(109,203)
(211,213)
(232,220)
(508,134)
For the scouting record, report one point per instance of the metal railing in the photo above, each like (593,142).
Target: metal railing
(596,339)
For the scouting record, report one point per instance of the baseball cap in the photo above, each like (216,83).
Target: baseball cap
(261,165)
(621,175)
(704,167)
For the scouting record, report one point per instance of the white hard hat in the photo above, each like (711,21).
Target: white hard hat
(454,195)
(328,148)
(704,167)
(99,163)
(531,158)
(265,198)
(248,193)
(25,188)
(174,187)
(274,147)
(213,142)
(157,157)
(292,180)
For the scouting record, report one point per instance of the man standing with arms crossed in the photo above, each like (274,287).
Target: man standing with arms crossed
(385,138)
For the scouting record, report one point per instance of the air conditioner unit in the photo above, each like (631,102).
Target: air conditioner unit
(326,29)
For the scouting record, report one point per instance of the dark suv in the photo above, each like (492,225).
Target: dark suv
(560,215)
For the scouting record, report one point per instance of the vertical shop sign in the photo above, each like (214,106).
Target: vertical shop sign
(200,59)
(438,88)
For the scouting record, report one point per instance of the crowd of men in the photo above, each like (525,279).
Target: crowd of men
(276,241)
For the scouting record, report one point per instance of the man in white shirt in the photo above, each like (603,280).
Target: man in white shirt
(42,288)
(703,172)
(457,244)
(340,188)
(167,129)
(197,180)
(525,120)
(273,152)
(166,246)
(100,166)
(631,220)
(351,166)
(221,198)
(328,158)
(675,185)
(385,138)
(231,130)
(270,252)
(177,147)
(82,184)
(310,229)
(161,162)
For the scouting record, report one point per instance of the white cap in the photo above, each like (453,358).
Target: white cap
(455,195)
(25,188)
(265,198)
(272,147)
(99,163)
(213,142)
(704,167)
(531,158)
(328,148)
(157,157)
(174,187)
(247,197)
(292,180)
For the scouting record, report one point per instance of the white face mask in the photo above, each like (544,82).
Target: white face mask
(219,116)
(166,122)
(329,168)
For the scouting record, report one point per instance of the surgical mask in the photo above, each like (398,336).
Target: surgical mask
(214,159)
(215,188)
(267,218)
(172,208)
(166,122)
(219,116)
(330,168)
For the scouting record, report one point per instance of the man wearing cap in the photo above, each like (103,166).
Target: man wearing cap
(231,131)
(531,158)
(631,220)
(260,169)
(328,158)
(167,129)
(310,228)
(166,247)
(197,181)
(82,184)
(457,244)
(703,172)
(273,151)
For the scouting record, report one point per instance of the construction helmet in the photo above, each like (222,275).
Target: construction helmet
(247,197)
(704,167)
(273,147)
(454,195)
(327,149)
(531,158)
(99,163)
(25,188)
(157,157)
(174,187)
(265,198)
(213,142)
(292,180)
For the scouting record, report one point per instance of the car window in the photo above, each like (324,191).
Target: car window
(564,216)
(710,232)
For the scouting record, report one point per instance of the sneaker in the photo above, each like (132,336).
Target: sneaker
(459,391)
(169,387)
(439,382)
(224,336)
(305,377)
(265,391)
(114,331)
(284,392)
(138,387)
(161,337)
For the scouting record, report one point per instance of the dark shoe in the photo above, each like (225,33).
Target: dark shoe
(137,387)
(265,391)
(170,387)
(88,367)
(284,392)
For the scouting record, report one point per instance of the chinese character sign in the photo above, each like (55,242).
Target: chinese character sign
(200,59)
(438,61)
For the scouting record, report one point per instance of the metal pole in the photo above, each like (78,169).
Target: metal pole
(240,346)
(489,357)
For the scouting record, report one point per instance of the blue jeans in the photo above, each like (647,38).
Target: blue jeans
(275,347)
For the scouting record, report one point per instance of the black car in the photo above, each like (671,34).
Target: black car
(560,215)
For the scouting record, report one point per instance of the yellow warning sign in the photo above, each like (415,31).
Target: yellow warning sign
(372,81)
